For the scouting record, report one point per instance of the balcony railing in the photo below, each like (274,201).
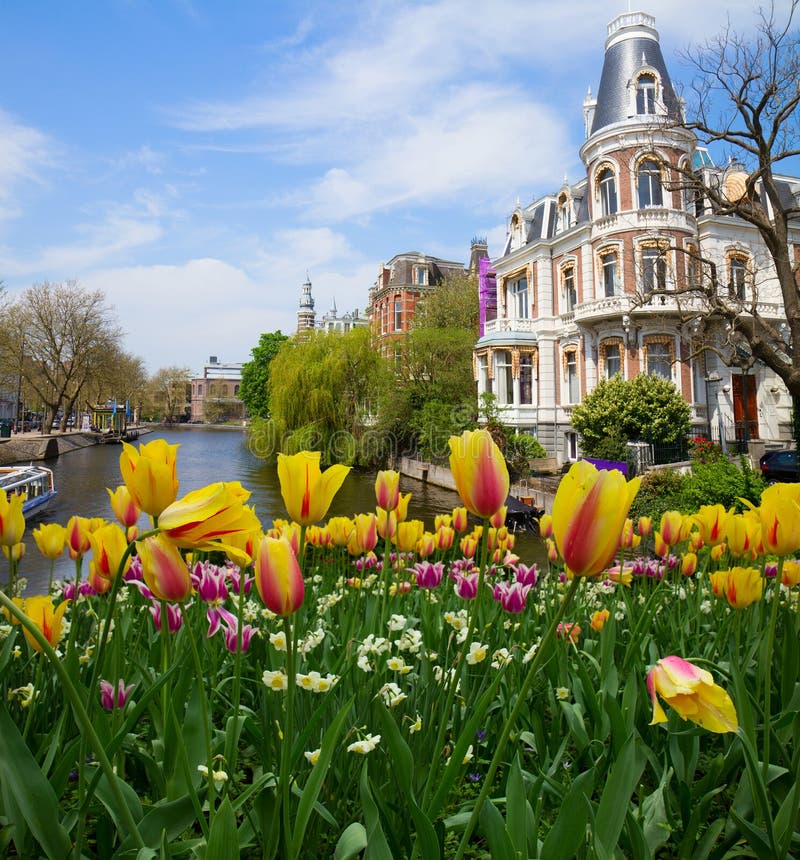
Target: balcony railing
(510,324)
(652,218)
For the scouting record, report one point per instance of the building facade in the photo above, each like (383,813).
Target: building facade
(592,279)
(215,393)
(393,298)
(331,321)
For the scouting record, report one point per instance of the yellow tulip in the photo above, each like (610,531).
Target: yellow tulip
(307,492)
(426,545)
(599,619)
(164,569)
(208,517)
(109,544)
(78,531)
(711,521)
(645,526)
(386,522)
(480,472)
(408,533)
(150,474)
(780,518)
(279,580)
(742,535)
(671,523)
(546,526)
(51,538)
(790,575)
(12,520)
(387,489)
(744,586)
(588,512)
(365,535)
(691,691)
(401,509)
(14,553)
(688,563)
(47,617)
(460,523)
(340,529)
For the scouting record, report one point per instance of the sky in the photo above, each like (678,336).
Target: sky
(196,159)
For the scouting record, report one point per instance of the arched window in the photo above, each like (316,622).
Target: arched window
(738,275)
(646,94)
(569,288)
(571,375)
(607,191)
(653,268)
(648,179)
(659,356)
(611,357)
(563,212)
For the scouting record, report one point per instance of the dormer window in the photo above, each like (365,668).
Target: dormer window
(563,212)
(421,275)
(646,94)
(607,191)
(516,231)
(648,180)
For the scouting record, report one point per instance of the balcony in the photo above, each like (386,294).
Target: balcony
(509,324)
(653,219)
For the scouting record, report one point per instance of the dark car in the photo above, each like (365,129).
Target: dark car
(780,466)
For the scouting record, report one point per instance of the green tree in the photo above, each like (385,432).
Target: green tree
(254,390)
(169,393)
(645,407)
(324,388)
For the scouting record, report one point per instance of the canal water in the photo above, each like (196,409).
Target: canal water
(207,455)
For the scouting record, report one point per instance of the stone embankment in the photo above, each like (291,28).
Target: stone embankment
(27,447)
(537,492)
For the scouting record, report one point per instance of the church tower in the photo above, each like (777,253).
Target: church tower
(306,315)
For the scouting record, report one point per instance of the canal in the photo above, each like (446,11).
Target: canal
(207,455)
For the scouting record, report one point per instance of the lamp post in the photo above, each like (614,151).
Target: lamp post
(712,378)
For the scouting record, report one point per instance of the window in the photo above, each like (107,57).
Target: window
(526,378)
(612,360)
(607,189)
(420,275)
(563,212)
(398,315)
(518,298)
(199,390)
(570,294)
(646,94)
(503,377)
(571,440)
(654,269)
(398,356)
(649,179)
(235,390)
(484,380)
(693,267)
(608,262)
(659,359)
(571,369)
(737,277)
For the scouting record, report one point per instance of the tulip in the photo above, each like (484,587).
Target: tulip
(460,523)
(671,523)
(744,586)
(660,546)
(588,512)
(125,509)
(552,550)
(569,629)
(511,596)
(164,569)
(47,617)
(742,534)
(645,526)
(780,518)
(790,575)
(109,544)
(469,546)
(340,529)
(15,552)
(426,545)
(691,691)
(401,509)
(78,531)
(480,472)
(498,518)
(174,617)
(150,474)
(12,520)
(527,575)
(99,584)
(386,523)
(546,526)
(208,517)
(719,582)
(442,521)
(365,534)
(466,585)
(627,538)
(107,698)
(445,537)
(51,538)
(307,492)
(711,521)
(599,619)
(688,563)
(279,579)
(387,489)
(408,533)
(429,574)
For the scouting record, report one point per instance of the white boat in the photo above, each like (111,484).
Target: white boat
(35,482)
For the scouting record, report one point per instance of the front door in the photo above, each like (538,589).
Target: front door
(745,410)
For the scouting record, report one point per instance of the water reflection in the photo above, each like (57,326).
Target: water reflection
(207,455)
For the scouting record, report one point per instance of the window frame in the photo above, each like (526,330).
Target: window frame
(504,376)
(518,296)
(607,264)
(572,382)
(646,94)
(605,347)
(398,314)
(607,178)
(569,287)
(739,263)
(669,347)
(653,267)
(649,179)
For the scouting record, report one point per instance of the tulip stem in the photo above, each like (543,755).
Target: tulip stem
(768,658)
(286,743)
(233,745)
(542,653)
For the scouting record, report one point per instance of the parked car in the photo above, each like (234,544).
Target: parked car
(780,466)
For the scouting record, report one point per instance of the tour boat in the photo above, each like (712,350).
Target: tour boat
(35,482)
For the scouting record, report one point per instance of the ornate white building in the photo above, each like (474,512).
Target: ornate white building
(589,281)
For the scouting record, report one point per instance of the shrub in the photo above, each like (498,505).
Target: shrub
(721,482)
(661,490)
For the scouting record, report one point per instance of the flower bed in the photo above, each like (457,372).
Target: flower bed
(206,689)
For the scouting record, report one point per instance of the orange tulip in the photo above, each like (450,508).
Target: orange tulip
(279,580)
(480,472)
(588,512)
(599,619)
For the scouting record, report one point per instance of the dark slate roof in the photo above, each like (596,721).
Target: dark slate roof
(622,60)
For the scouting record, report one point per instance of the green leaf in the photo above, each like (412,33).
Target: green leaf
(656,825)
(494,829)
(223,841)
(172,816)
(622,780)
(403,764)
(757,839)
(377,846)
(351,843)
(22,777)
(569,831)
(106,796)
(517,809)
(316,779)
(706,844)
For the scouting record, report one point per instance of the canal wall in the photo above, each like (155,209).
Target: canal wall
(27,447)
(536,492)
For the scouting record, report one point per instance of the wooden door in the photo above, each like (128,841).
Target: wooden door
(745,408)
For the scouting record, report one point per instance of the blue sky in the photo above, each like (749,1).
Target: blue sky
(194,159)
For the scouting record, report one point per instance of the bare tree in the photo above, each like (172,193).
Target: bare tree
(56,338)
(169,391)
(745,97)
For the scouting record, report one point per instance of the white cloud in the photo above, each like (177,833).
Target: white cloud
(24,151)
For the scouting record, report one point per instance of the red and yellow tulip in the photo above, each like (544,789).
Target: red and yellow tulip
(125,509)
(307,492)
(47,617)
(387,489)
(279,580)
(150,474)
(480,472)
(164,569)
(108,546)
